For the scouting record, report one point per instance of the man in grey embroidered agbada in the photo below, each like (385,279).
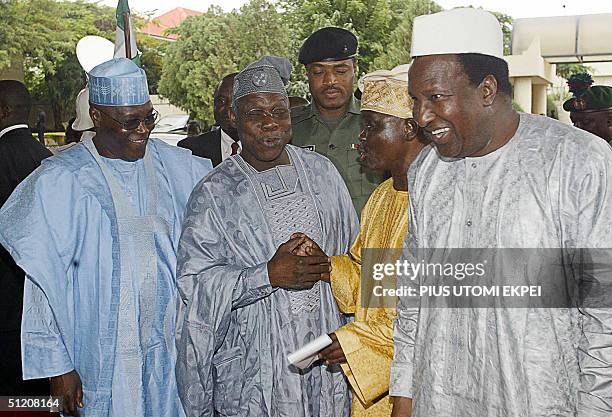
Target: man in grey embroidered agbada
(498,179)
(248,299)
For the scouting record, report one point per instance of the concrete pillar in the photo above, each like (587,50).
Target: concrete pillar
(522,93)
(539,99)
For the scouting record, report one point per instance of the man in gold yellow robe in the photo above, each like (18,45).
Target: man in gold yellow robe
(389,142)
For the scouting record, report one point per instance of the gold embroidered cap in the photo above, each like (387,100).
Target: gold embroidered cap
(386,92)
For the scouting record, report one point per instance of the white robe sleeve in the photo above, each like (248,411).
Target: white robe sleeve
(404,335)
(591,223)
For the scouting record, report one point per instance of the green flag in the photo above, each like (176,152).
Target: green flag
(124,25)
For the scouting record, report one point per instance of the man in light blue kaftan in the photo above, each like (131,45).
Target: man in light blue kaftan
(96,230)
(246,303)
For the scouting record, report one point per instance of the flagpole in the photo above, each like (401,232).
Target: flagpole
(126,33)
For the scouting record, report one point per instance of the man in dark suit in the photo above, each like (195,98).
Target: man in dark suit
(221,141)
(20,154)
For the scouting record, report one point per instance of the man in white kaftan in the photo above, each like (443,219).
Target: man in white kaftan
(497,179)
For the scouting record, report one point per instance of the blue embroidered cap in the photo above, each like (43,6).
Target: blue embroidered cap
(118,82)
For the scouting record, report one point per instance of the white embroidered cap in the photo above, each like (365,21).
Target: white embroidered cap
(457,31)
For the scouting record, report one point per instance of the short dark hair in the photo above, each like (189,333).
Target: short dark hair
(478,66)
(227,77)
(15,95)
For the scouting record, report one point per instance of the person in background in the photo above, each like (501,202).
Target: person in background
(389,142)
(20,154)
(80,127)
(591,106)
(193,129)
(72,136)
(331,123)
(41,126)
(222,141)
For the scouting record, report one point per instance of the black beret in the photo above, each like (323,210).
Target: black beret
(328,44)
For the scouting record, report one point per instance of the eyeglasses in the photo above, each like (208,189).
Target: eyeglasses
(133,124)
(275,114)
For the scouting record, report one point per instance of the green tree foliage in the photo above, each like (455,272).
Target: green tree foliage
(383,27)
(567,70)
(397,50)
(27,31)
(517,106)
(214,44)
(151,59)
(45,34)
(506,24)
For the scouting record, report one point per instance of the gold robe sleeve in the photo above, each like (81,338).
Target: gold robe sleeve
(345,276)
(368,347)
(368,341)
(346,270)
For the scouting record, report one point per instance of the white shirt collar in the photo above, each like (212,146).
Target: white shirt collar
(8,129)
(226,144)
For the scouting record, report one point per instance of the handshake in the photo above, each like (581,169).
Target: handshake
(298,264)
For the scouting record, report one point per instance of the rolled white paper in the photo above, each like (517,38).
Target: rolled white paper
(309,353)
